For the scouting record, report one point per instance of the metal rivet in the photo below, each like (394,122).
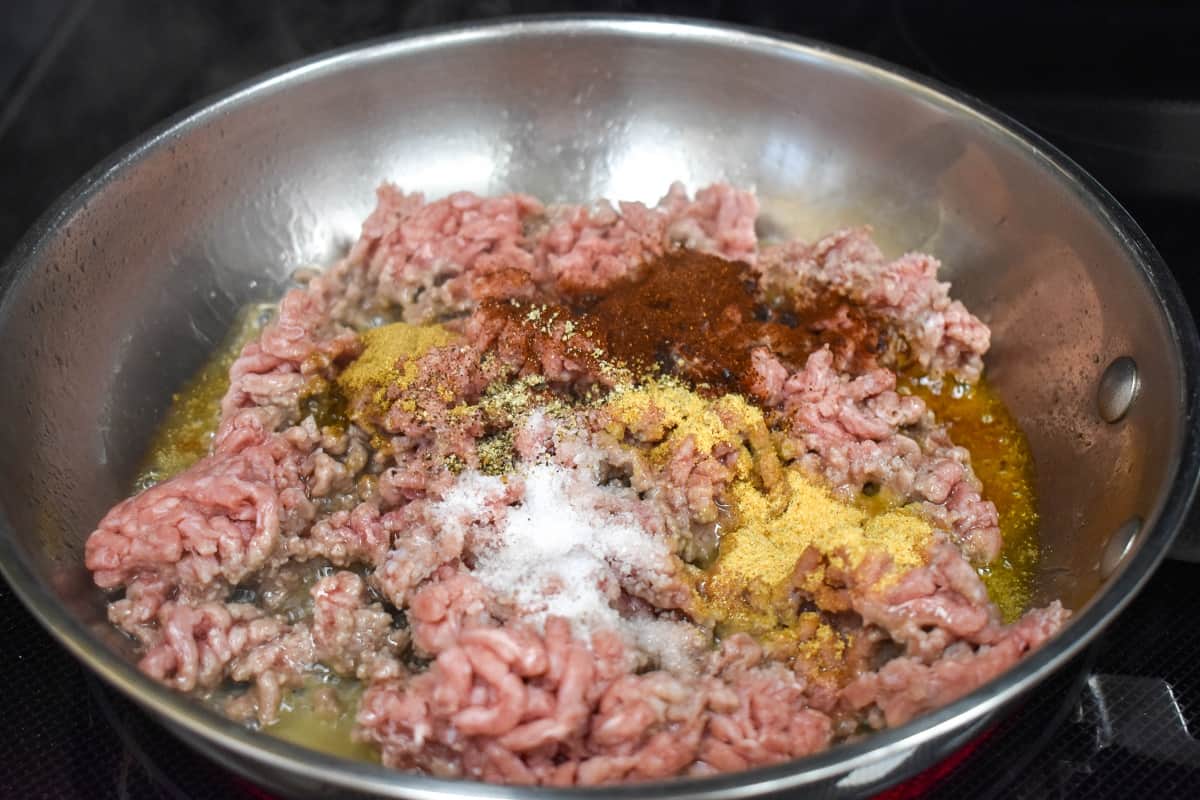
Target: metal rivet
(1119,545)
(1118,389)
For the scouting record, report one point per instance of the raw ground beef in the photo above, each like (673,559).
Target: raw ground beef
(944,337)
(506,633)
(857,431)
(563,710)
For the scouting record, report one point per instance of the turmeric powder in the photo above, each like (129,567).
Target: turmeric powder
(387,359)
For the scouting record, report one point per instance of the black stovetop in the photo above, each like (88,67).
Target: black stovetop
(1115,85)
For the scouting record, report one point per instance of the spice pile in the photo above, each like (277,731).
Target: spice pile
(589,494)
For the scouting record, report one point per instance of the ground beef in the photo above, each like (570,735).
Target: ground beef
(906,686)
(364,534)
(201,646)
(587,249)
(424,255)
(561,711)
(584,249)
(942,336)
(301,343)
(859,431)
(439,258)
(720,220)
(220,519)
(350,635)
(552,349)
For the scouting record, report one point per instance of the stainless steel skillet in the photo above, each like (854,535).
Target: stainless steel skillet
(123,287)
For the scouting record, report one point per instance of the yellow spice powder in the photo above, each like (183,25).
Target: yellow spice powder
(805,635)
(666,412)
(766,544)
(388,357)
(824,639)
(748,586)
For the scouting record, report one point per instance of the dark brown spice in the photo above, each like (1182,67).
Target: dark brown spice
(699,317)
(693,316)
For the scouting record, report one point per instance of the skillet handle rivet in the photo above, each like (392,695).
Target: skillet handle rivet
(1118,389)
(1119,545)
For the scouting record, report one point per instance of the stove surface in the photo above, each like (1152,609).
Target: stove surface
(1112,85)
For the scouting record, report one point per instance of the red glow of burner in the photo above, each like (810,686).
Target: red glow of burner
(921,784)
(250,790)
